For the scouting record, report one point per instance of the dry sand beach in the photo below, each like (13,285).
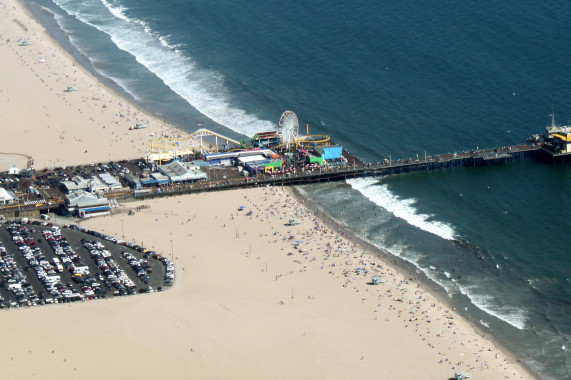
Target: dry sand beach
(249,301)
(43,120)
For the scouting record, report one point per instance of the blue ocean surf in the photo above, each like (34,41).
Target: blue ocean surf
(385,80)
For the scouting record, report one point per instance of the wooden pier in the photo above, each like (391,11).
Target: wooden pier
(484,157)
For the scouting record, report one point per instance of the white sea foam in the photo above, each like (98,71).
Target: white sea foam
(402,208)
(434,275)
(203,89)
(121,82)
(509,314)
(380,195)
(431,272)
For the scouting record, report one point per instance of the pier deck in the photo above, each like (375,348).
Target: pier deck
(474,158)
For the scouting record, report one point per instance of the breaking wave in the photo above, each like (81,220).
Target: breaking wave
(203,89)
(401,208)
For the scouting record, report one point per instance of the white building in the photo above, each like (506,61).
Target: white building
(86,204)
(97,186)
(76,183)
(182,171)
(7,197)
(111,182)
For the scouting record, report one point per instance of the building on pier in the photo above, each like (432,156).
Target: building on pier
(85,204)
(182,172)
(562,142)
(76,183)
(7,197)
(132,181)
(266,139)
(556,139)
(332,152)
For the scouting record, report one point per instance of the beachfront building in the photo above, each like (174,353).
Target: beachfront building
(230,158)
(112,183)
(155,179)
(329,153)
(182,172)
(253,164)
(97,186)
(76,183)
(85,204)
(200,163)
(7,197)
(132,181)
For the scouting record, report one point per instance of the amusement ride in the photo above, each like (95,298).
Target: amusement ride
(285,139)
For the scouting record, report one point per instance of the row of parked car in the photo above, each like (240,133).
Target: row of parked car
(112,274)
(140,266)
(55,271)
(169,264)
(169,275)
(15,281)
(72,262)
(46,272)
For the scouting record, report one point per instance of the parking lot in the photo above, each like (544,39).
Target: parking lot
(42,263)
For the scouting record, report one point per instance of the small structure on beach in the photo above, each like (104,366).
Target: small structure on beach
(71,89)
(377,280)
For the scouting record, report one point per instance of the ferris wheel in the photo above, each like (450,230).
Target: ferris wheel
(289,127)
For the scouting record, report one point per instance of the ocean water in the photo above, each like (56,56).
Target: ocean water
(386,80)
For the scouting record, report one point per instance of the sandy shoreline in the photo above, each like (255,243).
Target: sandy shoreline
(56,127)
(406,269)
(242,305)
